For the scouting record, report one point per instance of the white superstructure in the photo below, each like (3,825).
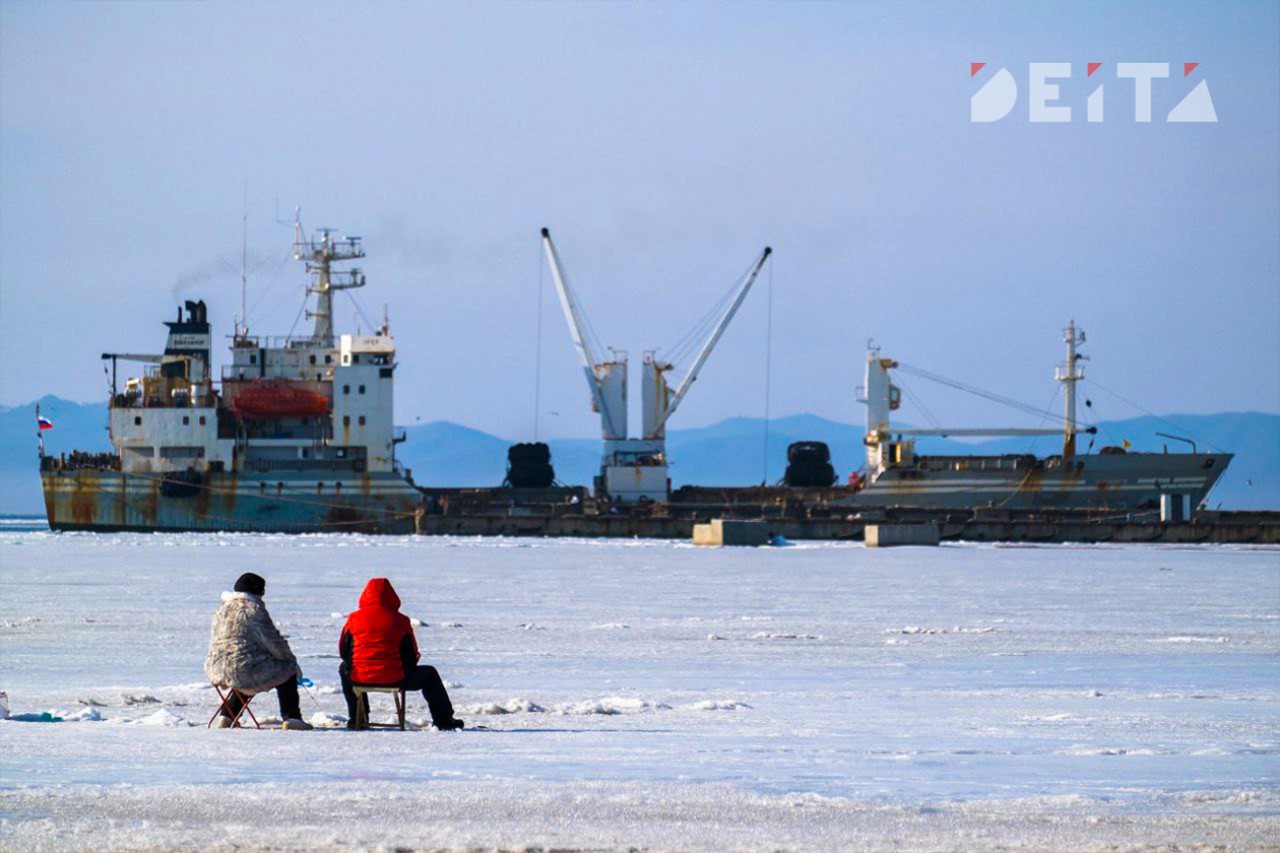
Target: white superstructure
(320,402)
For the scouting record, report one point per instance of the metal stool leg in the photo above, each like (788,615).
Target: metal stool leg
(222,708)
(245,709)
(223,699)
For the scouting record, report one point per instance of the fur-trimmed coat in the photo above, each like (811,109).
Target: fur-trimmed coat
(246,651)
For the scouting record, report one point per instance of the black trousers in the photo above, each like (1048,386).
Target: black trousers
(286,692)
(424,678)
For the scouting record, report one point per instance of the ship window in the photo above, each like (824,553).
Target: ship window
(186,420)
(355,358)
(317,377)
(202,420)
(346,389)
(328,359)
(384,372)
(362,420)
(313,359)
(304,453)
(253,359)
(346,420)
(182,452)
(137,420)
(361,389)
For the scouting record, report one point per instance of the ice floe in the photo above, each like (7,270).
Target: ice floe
(511,706)
(783,635)
(163,717)
(916,629)
(716,705)
(610,705)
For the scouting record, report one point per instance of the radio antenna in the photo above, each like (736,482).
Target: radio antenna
(244,262)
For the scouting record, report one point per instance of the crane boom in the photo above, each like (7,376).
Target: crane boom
(577,327)
(134,356)
(707,347)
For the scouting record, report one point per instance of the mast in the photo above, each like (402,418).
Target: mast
(1069,375)
(319,256)
(242,329)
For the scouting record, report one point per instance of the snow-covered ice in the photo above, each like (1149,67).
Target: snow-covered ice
(950,698)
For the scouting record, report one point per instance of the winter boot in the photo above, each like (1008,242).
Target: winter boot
(450,726)
(293,724)
(223,722)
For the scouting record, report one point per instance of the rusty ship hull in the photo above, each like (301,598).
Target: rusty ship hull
(107,501)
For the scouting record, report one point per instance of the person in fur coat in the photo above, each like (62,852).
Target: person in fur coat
(247,653)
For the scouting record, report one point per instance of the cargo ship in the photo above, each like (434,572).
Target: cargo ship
(295,435)
(1113,478)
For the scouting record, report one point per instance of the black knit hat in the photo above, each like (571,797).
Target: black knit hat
(251,583)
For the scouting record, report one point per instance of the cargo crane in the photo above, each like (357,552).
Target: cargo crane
(889,446)
(634,470)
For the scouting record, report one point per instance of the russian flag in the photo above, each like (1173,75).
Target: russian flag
(43,422)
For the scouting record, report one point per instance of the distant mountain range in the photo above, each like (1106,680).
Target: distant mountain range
(727,453)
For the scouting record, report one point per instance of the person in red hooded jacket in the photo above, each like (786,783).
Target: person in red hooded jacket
(378,647)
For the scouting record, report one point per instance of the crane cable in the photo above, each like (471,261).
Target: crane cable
(1152,414)
(1047,410)
(768,365)
(537,353)
(971,389)
(684,347)
(919,404)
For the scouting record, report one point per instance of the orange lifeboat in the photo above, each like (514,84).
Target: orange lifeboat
(278,398)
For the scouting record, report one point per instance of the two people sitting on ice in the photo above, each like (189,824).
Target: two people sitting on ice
(249,655)
(378,648)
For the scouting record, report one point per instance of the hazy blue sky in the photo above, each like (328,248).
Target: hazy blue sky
(665,145)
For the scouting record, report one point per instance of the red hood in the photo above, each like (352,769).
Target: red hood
(380,593)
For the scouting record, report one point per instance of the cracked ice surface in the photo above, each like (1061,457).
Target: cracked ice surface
(954,698)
